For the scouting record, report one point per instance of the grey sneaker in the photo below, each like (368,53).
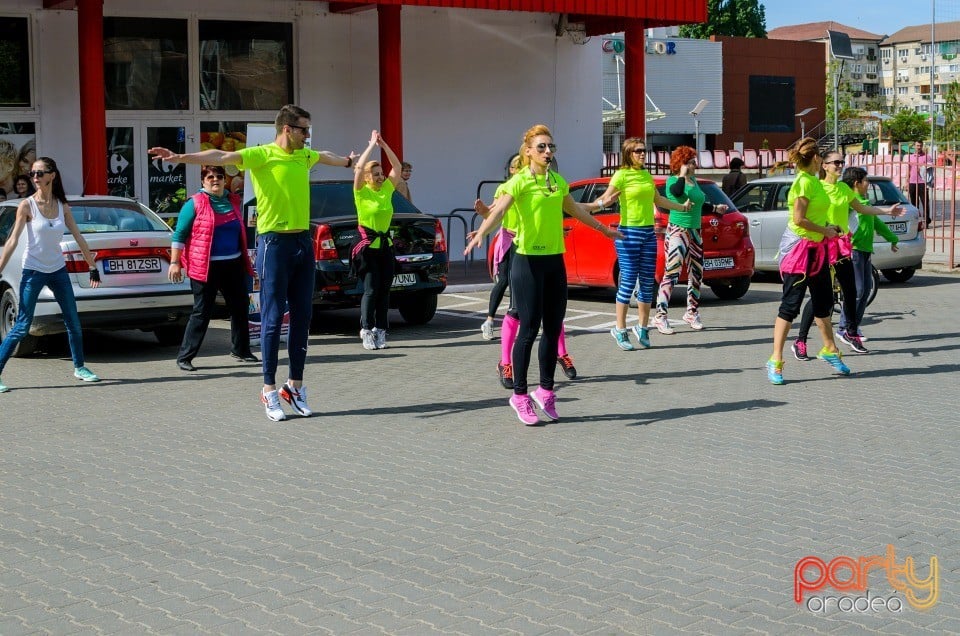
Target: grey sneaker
(623,340)
(369,341)
(380,338)
(85,374)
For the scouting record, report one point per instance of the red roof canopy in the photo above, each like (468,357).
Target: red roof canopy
(600,16)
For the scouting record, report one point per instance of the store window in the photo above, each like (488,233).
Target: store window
(229,136)
(14,62)
(145,64)
(245,65)
(772,104)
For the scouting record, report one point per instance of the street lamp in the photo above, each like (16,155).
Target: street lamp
(696,121)
(805,111)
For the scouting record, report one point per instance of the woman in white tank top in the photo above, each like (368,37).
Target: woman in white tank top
(46,217)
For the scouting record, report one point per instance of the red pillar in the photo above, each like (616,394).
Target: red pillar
(391,80)
(635,102)
(93,117)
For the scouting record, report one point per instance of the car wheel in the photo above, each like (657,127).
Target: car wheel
(901,275)
(8,317)
(876,285)
(736,289)
(418,309)
(169,335)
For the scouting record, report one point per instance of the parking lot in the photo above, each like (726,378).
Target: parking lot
(676,494)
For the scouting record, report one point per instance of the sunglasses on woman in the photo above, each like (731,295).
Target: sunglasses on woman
(40,173)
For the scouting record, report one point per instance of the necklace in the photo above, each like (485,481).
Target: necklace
(548,187)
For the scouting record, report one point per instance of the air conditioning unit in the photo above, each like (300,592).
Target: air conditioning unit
(923,58)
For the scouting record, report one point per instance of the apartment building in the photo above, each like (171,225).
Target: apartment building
(861,76)
(917,66)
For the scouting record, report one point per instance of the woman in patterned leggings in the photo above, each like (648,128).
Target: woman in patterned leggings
(637,250)
(684,244)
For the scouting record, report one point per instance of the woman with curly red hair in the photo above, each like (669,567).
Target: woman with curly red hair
(683,243)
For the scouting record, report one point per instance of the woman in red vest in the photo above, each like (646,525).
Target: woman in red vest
(210,247)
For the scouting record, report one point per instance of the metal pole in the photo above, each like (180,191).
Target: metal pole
(696,123)
(836,106)
(933,67)
(803,130)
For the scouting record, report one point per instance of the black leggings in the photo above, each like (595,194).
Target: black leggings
(501,282)
(843,270)
(377,270)
(795,288)
(538,287)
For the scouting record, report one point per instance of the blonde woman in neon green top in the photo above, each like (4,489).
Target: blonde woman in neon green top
(373,255)
(538,279)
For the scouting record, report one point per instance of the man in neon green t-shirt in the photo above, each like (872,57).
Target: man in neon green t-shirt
(280,173)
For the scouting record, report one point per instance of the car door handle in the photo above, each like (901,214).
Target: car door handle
(755,223)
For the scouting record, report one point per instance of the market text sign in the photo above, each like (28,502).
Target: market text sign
(846,574)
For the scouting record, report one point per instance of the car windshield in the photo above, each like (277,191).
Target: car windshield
(335,198)
(883,192)
(94,217)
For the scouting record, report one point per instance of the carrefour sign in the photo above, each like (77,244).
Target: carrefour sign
(652,48)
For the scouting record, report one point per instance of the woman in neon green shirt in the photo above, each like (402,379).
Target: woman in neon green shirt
(803,259)
(538,279)
(373,254)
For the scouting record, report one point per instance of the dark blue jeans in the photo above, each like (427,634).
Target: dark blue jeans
(286,267)
(863,277)
(31,284)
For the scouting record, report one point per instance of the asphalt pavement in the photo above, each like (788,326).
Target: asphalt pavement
(676,494)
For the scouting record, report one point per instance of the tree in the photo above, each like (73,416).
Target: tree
(739,18)
(951,114)
(907,125)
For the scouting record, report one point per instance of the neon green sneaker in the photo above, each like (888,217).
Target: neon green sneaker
(775,371)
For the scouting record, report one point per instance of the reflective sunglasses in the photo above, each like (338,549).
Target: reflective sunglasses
(542,146)
(40,173)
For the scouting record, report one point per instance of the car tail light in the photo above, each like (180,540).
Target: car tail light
(76,263)
(324,247)
(439,241)
(744,228)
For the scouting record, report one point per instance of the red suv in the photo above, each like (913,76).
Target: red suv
(591,259)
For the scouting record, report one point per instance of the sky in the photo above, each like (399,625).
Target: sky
(882,17)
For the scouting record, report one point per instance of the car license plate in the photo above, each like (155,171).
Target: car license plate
(899,227)
(724,262)
(131,265)
(404,280)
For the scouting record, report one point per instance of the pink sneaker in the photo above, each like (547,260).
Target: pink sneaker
(524,408)
(547,401)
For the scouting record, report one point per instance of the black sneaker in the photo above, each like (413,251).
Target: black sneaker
(799,348)
(856,344)
(505,371)
(249,357)
(566,364)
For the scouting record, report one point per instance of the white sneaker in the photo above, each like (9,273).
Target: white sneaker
(693,319)
(486,330)
(861,336)
(271,402)
(369,341)
(297,399)
(662,323)
(380,338)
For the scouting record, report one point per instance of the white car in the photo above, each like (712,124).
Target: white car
(764,203)
(131,246)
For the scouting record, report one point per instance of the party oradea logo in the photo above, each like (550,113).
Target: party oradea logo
(847,574)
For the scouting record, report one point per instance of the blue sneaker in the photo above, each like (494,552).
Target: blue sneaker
(775,371)
(623,340)
(643,336)
(85,374)
(3,387)
(835,360)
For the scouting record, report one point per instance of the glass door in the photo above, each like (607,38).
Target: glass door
(162,186)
